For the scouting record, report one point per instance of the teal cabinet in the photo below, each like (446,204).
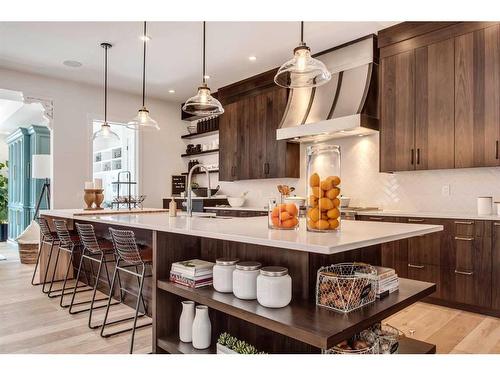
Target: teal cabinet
(23,190)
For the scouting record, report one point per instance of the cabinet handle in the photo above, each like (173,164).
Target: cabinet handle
(496,224)
(464,238)
(416,220)
(375,218)
(464,222)
(464,273)
(418,156)
(266,168)
(232,171)
(412,153)
(415,266)
(496,149)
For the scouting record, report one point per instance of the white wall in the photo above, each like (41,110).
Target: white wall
(415,191)
(75,105)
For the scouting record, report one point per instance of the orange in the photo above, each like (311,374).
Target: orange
(292,209)
(275,212)
(317,192)
(311,224)
(324,216)
(335,180)
(323,224)
(313,214)
(285,216)
(282,207)
(276,222)
(326,184)
(290,223)
(313,201)
(334,223)
(314,180)
(325,204)
(333,193)
(336,202)
(333,213)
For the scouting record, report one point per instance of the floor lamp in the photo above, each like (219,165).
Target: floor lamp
(41,170)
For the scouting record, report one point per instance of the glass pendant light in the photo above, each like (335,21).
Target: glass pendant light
(203,103)
(105,134)
(302,70)
(143,121)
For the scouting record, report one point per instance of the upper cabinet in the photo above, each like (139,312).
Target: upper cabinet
(439,96)
(248,148)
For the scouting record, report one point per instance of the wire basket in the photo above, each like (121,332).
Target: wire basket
(388,338)
(365,342)
(345,287)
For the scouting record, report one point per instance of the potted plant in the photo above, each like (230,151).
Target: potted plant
(227,344)
(4,200)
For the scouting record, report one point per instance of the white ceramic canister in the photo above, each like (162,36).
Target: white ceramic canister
(245,280)
(274,287)
(186,321)
(484,205)
(202,328)
(223,274)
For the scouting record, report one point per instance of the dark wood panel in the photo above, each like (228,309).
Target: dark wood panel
(305,322)
(407,30)
(477,98)
(425,249)
(397,114)
(228,149)
(428,273)
(495,282)
(434,106)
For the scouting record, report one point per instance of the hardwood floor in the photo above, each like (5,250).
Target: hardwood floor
(32,323)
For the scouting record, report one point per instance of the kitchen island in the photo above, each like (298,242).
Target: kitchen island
(301,327)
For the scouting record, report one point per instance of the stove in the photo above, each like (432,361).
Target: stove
(350,213)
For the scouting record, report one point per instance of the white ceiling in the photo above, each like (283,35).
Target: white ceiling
(174,54)
(14,113)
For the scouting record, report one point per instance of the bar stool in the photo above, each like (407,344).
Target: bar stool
(129,256)
(46,237)
(69,244)
(97,251)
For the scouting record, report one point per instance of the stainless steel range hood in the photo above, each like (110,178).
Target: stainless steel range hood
(343,107)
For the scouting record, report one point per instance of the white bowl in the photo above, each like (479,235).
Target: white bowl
(236,201)
(344,201)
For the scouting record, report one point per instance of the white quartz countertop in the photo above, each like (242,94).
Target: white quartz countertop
(253,230)
(430,214)
(243,208)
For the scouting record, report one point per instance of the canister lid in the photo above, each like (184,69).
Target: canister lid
(248,266)
(274,271)
(227,261)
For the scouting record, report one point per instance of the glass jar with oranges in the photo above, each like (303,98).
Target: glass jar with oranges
(323,187)
(283,215)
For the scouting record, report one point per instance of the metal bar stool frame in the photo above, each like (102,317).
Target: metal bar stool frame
(128,256)
(66,243)
(46,237)
(92,250)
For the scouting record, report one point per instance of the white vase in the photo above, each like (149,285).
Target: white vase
(202,328)
(186,321)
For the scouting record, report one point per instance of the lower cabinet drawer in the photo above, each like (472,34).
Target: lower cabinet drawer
(426,272)
(467,287)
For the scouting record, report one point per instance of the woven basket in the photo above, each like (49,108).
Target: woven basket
(28,253)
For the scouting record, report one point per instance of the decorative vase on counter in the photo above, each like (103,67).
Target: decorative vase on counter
(202,328)
(186,321)
(323,187)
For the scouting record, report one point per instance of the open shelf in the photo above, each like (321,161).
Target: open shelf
(173,345)
(202,172)
(199,135)
(200,153)
(303,320)
(408,345)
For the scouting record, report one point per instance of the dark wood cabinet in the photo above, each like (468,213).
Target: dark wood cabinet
(247,132)
(439,96)
(477,98)
(495,263)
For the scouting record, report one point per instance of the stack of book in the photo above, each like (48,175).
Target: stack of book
(193,273)
(387,281)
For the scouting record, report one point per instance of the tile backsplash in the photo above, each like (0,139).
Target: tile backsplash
(361,180)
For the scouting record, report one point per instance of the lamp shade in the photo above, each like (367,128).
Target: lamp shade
(41,166)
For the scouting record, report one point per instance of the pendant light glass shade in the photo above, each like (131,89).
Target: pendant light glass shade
(203,103)
(143,121)
(103,137)
(302,70)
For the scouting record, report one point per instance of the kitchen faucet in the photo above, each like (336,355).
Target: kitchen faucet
(189,201)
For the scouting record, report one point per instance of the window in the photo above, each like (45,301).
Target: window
(112,157)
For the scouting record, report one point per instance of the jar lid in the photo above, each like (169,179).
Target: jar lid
(248,266)
(227,261)
(274,271)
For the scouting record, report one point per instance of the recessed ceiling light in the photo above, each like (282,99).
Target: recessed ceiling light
(145,38)
(252,58)
(206,76)
(72,63)
(171,91)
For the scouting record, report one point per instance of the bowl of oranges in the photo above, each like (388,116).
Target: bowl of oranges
(323,204)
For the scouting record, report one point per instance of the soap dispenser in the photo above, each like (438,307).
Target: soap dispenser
(172,208)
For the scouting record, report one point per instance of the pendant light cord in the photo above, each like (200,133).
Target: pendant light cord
(204,80)
(105,84)
(144,68)
(301,32)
